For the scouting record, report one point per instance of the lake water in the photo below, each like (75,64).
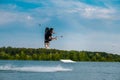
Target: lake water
(56,70)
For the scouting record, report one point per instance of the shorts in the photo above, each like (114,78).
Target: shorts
(46,41)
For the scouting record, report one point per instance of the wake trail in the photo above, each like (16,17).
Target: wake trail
(34,68)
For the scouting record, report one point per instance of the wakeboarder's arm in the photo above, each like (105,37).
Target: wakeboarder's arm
(53,38)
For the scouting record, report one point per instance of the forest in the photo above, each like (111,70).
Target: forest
(10,53)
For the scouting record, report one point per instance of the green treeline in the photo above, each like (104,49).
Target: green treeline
(9,53)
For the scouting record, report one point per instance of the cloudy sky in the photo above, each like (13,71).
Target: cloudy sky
(92,25)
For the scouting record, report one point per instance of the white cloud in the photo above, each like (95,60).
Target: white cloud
(9,6)
(7,17)
(84,10)
(60,7)
(22,18)
(99,13)
(29,17)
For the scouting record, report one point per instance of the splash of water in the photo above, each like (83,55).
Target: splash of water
(34,68)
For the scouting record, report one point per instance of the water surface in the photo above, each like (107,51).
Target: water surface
(56,70)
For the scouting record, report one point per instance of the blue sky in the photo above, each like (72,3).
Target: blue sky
(92,25)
